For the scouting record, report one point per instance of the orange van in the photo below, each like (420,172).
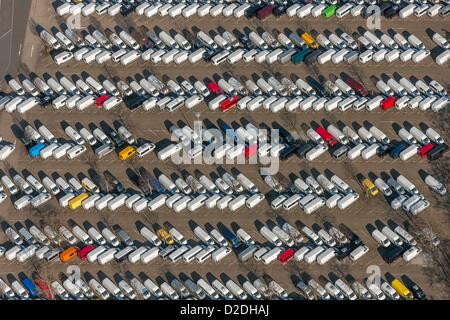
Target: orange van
(68,254)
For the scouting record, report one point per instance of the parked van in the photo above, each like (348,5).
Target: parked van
(311,256)
(271,255)
(206,253)
(358,252)
(380,238)
(326,256)
(220,254)
(347,200)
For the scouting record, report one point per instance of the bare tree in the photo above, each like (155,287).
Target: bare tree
(290,119)
(151,217)
(340,268)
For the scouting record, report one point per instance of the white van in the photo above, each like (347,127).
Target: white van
(311,256)
(254,200)
(291,202)
(206,253)
(271,255)
(62,57)
(197,202)
(129,57)
(191,253)
(220,57)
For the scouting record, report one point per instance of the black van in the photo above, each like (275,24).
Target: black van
(286,153)
(437,152)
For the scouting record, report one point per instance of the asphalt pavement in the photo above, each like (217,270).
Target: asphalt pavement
(13,25)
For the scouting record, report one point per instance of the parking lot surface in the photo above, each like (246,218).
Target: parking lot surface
(152,125)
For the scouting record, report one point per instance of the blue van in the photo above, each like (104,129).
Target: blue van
(30,286)
(35,150)
(230,236)
(395,152)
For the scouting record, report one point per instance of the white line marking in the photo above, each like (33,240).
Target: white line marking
(11,39)
(32,49)
(20,49)
(5,34)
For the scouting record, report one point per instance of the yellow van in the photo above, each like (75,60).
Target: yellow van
(402,290)
(127,153)
(165,237)
(310,41)
(76,202)
(370,187)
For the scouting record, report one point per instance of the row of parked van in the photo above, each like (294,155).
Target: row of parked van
(236,46)
(178,194)
(398,241)
(400,192)
(250,9)
(269,92)
(323,244)
(42,143)
(337,289)
(367,140)
(142,287)
(169,244)
(131,287)
(311,193)
(363,141)
(228,192)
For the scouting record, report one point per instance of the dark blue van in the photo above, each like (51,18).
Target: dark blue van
(230,236)
(395,152)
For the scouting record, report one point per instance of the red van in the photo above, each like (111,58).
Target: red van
(250,150)
(99,101)
(387,103)
(263,13)
(326,136)
(423,152)
(229,103)
(43,287)
(82,254)
(215,89)
(286,256)
(356,86)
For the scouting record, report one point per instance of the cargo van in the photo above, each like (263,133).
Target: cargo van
(270,236)
(126,57)
(347,200)
(311,256)
(62,57)
(314,205)
(142,204)
(271,255)
(326,256)
(197,202)
(370,151)
(220,254)
(155,203)
(206,253)
(150,255)
(254,200)
(167,152)
(237,202)
(332,201)
(190,255)
(27,105)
